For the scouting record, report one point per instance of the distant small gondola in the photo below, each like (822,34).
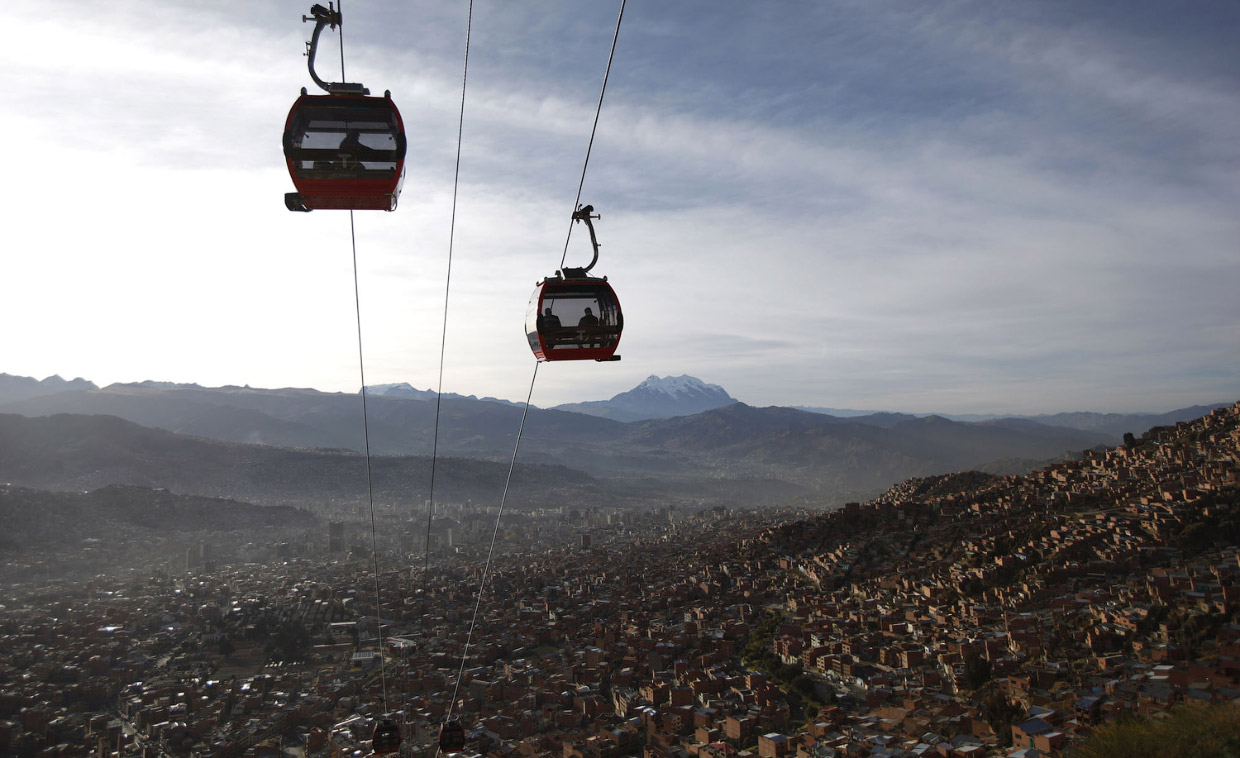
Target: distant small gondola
(574,316)
(451,737)
(345,150)
(385,738)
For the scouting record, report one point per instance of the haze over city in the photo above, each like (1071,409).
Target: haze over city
(900,206)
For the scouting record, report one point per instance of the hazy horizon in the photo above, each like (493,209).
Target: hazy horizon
(914,412)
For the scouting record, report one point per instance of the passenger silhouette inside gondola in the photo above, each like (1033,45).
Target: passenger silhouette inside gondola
(549,321)
(589,319)
(352,151)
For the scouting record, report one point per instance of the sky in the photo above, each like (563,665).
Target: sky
(956,207)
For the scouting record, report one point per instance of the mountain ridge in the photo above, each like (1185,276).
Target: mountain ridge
(407,390)
(21,387)
(1112,424)
(815,454)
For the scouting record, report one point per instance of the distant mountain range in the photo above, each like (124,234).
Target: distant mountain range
(729,452)
(407,390)
(1113,425)
(80,453)
(21,387)
(1116,424)
(657,397)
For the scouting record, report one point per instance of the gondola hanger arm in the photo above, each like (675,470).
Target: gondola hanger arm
(329,17)
(586,213)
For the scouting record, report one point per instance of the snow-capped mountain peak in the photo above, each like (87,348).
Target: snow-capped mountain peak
(399,389)
(680,386)
(658,397)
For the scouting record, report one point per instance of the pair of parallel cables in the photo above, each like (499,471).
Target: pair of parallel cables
(439,391)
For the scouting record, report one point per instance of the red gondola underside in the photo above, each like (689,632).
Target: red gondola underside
(345,152)
(574,319)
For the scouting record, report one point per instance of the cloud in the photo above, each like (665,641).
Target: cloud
(895,205)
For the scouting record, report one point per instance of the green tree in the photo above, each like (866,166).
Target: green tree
(976,671)
(291,642)
(1189,732)
(787,672)
(1001,713)
(758,652)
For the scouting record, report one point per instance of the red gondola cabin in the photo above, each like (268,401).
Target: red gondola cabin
(574,317)
(345,152)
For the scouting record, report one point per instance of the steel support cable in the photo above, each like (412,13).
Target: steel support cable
(443,338)
(525,413)
(593,129)
(370,486)
(482,583)
(361,363)
(340,10)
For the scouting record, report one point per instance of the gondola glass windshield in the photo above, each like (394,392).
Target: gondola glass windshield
(344,138)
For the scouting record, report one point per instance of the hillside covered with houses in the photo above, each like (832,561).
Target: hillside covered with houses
(958,616)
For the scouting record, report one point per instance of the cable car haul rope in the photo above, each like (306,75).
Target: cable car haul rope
(346,151)
(580,213)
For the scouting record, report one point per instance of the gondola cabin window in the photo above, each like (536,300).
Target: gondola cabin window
(335,143)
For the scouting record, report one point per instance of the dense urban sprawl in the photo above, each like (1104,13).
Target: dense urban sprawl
(962,615)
